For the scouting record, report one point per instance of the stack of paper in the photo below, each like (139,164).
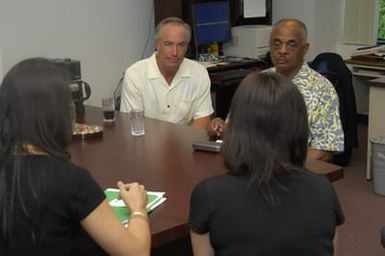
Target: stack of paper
(121,210)
(376,50)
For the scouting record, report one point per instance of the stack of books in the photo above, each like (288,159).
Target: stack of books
(123,212)
(372,54)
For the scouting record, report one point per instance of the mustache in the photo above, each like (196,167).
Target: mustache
(281,59)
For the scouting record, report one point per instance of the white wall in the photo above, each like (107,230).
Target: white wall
(327,26)
(299,9)
(106,36)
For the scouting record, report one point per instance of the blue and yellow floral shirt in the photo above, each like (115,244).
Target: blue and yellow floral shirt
(325,128)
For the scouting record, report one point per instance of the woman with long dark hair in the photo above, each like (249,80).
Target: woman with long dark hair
(44,199)
(267,203)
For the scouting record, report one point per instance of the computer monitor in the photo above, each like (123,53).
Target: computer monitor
(211,21)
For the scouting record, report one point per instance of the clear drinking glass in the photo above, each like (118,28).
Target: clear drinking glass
(108,107)
(137,122)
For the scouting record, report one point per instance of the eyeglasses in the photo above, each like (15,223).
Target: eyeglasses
(291,45)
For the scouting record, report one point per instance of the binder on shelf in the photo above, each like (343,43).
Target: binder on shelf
(122,211)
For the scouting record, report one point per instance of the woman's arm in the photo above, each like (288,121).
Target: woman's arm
(201,244)
(105,228)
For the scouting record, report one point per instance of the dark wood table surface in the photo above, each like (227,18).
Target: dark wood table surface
(163,160)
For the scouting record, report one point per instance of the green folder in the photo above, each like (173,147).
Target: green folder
(122,212)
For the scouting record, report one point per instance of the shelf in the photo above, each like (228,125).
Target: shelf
(368,74)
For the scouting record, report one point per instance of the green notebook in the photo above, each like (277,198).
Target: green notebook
(123,212)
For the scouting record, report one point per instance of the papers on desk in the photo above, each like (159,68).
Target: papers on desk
(376,50)
(122,212)
(207,64)
(370,54)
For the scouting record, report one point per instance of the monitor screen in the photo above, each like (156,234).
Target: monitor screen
(212,22)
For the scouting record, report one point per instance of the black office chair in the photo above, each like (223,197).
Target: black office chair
(332,66)
(118,93)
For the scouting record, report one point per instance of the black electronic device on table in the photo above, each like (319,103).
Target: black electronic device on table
(80,90)
(210,146)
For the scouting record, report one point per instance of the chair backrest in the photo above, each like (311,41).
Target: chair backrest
(332,66)
(117,93)
(329,61)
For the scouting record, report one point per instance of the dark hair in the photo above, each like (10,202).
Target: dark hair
(267,132)
(34,110)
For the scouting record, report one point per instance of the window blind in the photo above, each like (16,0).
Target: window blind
(360,22)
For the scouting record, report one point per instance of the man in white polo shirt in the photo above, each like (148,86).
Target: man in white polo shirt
(168,86)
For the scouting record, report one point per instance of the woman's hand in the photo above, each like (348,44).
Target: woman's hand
(134,195)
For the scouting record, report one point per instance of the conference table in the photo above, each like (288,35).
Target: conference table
(163,160)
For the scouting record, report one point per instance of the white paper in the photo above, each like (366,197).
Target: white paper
(117,203)
(120,203)
(156,203)
(254,8)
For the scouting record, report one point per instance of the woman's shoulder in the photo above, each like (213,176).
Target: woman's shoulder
(53,165)
(299,175)
(312,176)
(226,177)
(309,180)
(223,182)
(61,175)
(50,160)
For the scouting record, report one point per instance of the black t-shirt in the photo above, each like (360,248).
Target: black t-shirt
(66,196)
(241,222)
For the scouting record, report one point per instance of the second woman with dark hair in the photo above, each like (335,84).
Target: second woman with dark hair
(267,204)
(45,199)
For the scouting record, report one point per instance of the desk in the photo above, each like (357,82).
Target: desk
(363,71)
(244,63)
(376,123)
(223,89)
(370,96)
(163,160)
(360,66)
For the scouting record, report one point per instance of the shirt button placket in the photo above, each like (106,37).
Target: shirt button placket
(168,105)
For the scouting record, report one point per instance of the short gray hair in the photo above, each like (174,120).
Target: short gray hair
(173,20)
(296,21)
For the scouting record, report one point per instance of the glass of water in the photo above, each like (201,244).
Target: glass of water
(137,122)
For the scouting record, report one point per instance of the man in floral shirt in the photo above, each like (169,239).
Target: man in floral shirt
(288,46)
